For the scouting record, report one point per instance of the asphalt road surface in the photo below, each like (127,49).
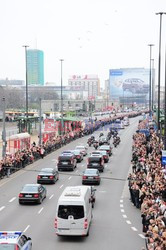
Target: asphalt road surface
(116,224)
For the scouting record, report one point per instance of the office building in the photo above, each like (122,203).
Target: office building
(89,84)
(35,67)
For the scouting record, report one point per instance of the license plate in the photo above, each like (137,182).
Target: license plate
(95,164)
(45,177)
(90,178)
(28,195)
(65,163)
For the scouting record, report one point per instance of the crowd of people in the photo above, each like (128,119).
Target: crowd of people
(147,185)
(14,162)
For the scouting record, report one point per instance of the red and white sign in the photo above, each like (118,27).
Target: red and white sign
(49,125)
(90,98)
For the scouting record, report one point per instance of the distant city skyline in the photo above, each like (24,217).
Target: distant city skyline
(91,36)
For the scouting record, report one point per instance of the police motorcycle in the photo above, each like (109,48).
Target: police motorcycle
(101,134)
(109,135)
(115,143)
(93,196)
(95,144)
(118,139)
(91,140)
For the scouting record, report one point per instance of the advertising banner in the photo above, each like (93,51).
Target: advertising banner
(128,82)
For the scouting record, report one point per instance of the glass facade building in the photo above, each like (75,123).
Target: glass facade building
(35,67)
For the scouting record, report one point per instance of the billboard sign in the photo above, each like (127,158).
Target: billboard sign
(129,82)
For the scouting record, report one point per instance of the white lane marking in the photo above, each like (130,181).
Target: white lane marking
(121,201)
(26,228)
(69,178)
(51,196)
(142,236)
(40,210)
(82,165)
(1,208)
(61,186)
(77,171)
(102,191)
(122,210)
(121,205)
(134,229)
(12,199)
(128,222)
(124,216)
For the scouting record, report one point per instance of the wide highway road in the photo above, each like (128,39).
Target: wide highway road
(116,224)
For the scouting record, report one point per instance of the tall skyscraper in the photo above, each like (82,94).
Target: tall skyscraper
(35,67)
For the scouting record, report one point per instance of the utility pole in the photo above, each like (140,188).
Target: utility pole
(40,123)
(26,84)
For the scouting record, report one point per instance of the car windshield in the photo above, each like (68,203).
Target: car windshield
(76,152)
(94,159)
(103,152)
(65,158)
(90,172)
(30,189)
(80,147)
(65,211)
(8,246)
(46,171)
(104,148)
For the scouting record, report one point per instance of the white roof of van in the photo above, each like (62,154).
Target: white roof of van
(74,193)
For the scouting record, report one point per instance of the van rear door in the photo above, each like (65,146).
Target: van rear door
(70,217)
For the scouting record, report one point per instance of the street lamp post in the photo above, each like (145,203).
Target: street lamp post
(165,107)
(159,69)
(4,127)
(62,122)
(150,82)
(26,84)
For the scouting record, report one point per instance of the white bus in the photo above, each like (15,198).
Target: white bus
(74,211)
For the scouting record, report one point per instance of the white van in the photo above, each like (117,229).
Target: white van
(126,121)
(74,211)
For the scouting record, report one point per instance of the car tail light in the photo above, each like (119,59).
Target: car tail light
(78,156)
(38,177)
(88,160)
(85,224)
(97,177)
(21,195)
(56,223)
(36,195)
(84,177)
(51,177)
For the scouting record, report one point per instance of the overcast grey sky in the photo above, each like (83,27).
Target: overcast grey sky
(91,36)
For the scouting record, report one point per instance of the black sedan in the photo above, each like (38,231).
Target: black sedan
(78,155)
(105,156)
(91,176)
(48,175)
(32,193)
